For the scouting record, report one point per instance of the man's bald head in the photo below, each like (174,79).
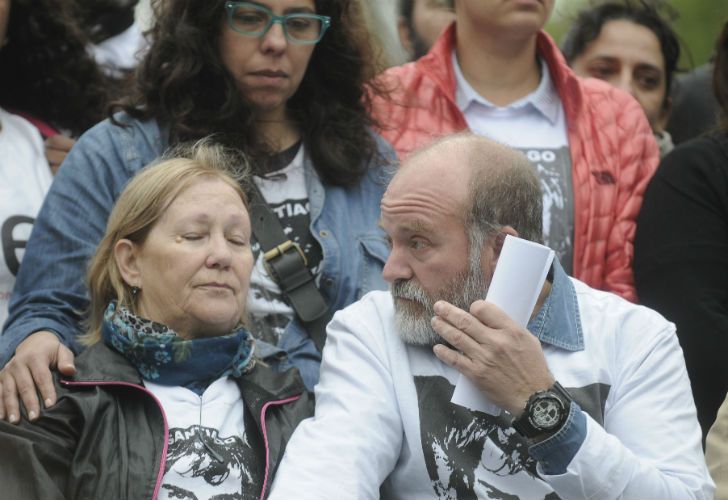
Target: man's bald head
(491,184)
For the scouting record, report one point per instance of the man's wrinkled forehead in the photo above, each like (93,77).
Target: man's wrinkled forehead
(444,167)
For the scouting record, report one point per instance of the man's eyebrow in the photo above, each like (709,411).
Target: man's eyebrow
(416,226)
(419,226)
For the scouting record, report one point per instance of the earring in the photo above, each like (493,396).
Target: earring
(135,291)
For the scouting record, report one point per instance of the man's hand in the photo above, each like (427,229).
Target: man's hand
(504,360)
(30,367)
(56,149)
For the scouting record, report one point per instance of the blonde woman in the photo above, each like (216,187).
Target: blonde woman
(167,400)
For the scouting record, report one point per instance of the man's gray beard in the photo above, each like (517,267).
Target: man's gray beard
(412,317)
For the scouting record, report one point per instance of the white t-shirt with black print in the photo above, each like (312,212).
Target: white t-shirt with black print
(24,180)
(210,455)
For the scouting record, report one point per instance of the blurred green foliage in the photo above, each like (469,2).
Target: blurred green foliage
(698,24)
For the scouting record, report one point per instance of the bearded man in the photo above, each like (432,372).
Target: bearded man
(596,399)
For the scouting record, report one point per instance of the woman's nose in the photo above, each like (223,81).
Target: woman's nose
(274,40)
(219,252)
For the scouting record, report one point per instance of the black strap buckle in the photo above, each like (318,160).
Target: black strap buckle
(280,251)
(286,264)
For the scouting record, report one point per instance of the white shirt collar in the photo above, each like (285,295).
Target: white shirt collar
(544,99)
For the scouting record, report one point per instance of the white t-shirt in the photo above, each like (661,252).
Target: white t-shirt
(24,180)
(285,192)
(536,126)
(209,454)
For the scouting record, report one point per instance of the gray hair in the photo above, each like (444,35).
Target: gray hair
(504,191)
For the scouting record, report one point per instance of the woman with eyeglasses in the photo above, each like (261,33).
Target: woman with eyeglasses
(281,81)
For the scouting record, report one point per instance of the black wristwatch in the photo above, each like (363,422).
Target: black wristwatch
(545,413)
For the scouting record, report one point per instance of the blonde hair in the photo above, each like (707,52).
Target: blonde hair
(140,205)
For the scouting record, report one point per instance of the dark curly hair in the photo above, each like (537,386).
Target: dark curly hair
(183,83)
(654,15)
(720,75)
(46,69)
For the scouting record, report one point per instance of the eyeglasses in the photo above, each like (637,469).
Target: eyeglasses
(255,20)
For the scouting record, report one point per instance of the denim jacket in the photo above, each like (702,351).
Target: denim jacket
(50,293)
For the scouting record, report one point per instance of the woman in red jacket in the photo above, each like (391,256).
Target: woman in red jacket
(498,74)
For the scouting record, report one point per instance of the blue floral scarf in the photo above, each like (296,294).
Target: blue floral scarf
(163,357)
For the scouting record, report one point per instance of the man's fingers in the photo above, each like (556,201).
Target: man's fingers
(64,361)
(491,315)
(26,389)
(454,336)
(462,321)
(44,381)
(453,358)
(10,399)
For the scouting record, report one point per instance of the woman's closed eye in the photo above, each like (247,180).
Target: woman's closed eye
(238,241)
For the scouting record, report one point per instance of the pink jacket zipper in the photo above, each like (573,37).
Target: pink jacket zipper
(160,474)
(265,437)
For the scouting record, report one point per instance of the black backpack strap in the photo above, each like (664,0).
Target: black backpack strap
(286,264)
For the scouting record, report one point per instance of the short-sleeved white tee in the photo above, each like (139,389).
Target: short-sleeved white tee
(24,180)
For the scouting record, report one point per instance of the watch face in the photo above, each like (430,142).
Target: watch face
(546,413)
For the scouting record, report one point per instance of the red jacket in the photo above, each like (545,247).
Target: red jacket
(613,151)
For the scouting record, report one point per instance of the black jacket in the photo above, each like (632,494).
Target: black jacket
(106,435)
(681,261)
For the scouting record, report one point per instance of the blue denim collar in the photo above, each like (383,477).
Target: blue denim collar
(558,322)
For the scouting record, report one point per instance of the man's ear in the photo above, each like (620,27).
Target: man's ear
(126,254)
(500,238)
(490,255)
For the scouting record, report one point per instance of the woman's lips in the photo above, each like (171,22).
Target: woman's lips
(270,77)
(270,73)
(216,286)
(274,81)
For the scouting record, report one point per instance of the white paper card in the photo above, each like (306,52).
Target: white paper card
(517,281)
